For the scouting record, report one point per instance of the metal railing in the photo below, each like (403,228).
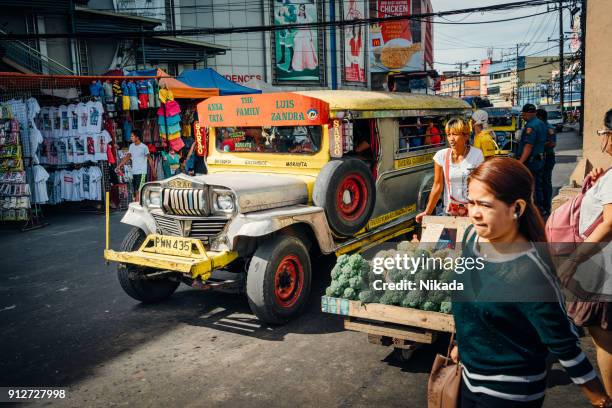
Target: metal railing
(32,59)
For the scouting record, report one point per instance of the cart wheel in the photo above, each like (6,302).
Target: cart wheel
(403,355)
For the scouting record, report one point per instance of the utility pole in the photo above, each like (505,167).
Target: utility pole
(460,77)
(515,98)
(561,62)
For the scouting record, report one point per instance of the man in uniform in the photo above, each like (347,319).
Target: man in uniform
(531,150)
(549,160)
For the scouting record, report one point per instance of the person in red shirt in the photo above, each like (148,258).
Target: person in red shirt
(433,133)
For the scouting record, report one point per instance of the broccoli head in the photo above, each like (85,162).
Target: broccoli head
(335,272)
(367,296)
(349,293)
(392,297)
(343,282)
(342,260)
(414,299)
(446,307)
(355,282)
(431,306)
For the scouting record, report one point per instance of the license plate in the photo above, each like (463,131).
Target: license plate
(171,245)
(179,183)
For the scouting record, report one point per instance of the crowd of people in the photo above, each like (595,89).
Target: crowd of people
(503,346)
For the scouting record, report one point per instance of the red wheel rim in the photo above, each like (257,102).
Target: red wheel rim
(351,197)
(288,281)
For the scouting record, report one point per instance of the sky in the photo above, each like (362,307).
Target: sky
(451,42)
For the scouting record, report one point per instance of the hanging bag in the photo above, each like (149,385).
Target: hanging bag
(444,381)
(455,207)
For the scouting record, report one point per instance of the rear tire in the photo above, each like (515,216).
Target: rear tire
(143,290)
(346,191)
(278,279)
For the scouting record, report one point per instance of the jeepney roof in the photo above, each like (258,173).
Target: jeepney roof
(340,100)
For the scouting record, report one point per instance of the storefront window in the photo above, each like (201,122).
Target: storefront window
(276,139)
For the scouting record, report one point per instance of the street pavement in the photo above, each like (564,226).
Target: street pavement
(64,321)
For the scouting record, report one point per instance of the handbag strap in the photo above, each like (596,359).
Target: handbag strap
(447,174)
(450,345)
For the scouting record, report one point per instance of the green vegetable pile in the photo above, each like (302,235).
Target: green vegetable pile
(353,278)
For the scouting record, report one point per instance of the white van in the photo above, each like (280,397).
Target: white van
(555,117)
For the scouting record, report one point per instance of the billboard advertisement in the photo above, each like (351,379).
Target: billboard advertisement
(297,53)
(353,43)
(399,45)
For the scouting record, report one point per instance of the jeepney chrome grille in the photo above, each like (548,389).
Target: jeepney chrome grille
(168,226)
(208,227)
(184,201)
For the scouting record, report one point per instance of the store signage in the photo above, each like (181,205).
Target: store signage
(277,109)
(199,134)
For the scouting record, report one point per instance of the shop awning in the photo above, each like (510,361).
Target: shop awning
(209,78)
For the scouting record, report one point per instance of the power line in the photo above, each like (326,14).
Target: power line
(268,28)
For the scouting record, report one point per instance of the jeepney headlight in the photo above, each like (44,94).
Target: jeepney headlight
(223,201)
(151,197)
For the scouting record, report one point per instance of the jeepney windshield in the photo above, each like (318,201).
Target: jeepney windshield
(274,139)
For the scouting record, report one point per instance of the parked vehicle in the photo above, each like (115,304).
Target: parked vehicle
(504,122)
(555,117)
(291,176)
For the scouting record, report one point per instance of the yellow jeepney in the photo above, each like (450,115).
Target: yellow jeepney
(291,176)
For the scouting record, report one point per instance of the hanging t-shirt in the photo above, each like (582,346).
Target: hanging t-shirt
(65,120)
(79,149)
(46,122)
(77,178)
(95,183)
(36,139)
(33,108)
(102,140)
(40,184)
(95,110)
(85,183)
(83,114)
(90,147)
(458,172)
(55,122)
(74,119)
(67,185)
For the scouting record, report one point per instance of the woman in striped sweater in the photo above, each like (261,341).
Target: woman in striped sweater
(504,328)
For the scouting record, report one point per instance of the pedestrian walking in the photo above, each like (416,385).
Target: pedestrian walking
(138,153)
(531,150)
(596,206)
(549,161)
(503,345)
(484,138)
(451,169)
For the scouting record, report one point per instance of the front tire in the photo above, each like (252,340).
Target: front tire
(143,290)
(278,279)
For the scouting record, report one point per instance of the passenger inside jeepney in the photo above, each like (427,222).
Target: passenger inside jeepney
(361,140)
(281,139)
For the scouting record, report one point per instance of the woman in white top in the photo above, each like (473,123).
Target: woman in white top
(596,206)
(452,166)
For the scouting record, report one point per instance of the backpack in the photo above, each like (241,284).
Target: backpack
(563,224)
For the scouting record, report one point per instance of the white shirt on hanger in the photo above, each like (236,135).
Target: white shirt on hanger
(95,110)
(83,114)
(102,140)
(40,184)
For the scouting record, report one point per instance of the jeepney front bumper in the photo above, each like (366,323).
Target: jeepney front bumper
(179,254)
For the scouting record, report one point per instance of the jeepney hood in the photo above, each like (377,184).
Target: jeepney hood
(257,191)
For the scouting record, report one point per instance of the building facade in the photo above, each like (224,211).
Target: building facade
(506,77)
(337,55)
(460,85)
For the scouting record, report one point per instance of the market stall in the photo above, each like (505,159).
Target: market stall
(62,136)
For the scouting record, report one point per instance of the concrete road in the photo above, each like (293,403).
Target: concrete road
(64,321)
